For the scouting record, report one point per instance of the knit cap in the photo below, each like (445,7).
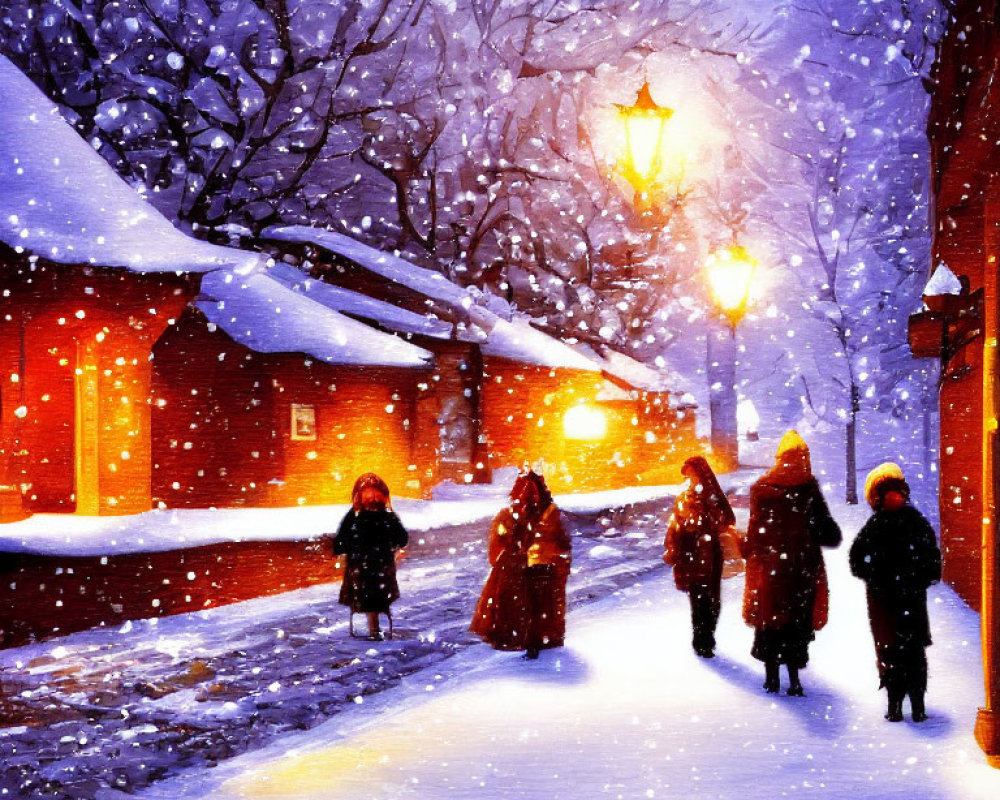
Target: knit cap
(878,477)
(791,441)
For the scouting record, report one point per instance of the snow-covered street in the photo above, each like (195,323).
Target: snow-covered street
(625,710)
(124,708)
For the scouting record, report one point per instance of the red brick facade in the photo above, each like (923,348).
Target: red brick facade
(74,359)
(964,127)
(223,424)
(523,409)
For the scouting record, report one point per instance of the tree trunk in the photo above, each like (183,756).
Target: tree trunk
(722,397)
(851,479)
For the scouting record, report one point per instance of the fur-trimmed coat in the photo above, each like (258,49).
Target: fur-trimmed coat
(523,603)
(369,540)
(785,575)
(896,554)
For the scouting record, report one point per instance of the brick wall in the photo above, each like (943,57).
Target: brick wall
(523,410)
(964,127)
(74,399)
(222,422)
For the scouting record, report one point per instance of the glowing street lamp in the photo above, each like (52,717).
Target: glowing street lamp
(644,122)
(729,272)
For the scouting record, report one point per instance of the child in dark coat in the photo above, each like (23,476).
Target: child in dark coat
(896,554)
(693,548)
(369,536)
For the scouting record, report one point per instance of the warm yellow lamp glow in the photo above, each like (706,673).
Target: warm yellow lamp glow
(730,272)
(585,422)
(644,122)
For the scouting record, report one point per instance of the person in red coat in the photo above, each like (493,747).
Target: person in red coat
(523,603)
(897,556)
(786,595)
(370,536)
(693,547)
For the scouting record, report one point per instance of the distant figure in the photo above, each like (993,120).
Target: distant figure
(369,536)
(896,554)
(786,595)
(523,603)
(693,548)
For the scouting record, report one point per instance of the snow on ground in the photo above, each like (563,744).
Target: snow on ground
(626,710)
(270,698)
(107,710)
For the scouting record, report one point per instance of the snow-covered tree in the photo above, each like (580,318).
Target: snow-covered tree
(854,103)
(479,138)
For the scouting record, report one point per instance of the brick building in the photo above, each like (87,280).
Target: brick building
(502,388)
(91,276)
(264,397)
(964,127)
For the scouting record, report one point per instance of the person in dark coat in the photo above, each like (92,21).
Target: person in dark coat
(693,547)
(523,603)
(897,556)
(786,595)
(369,536)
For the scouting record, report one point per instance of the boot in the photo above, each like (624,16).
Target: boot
(916,685)
(895,711)
(771,680)
(794,685)
(704,645)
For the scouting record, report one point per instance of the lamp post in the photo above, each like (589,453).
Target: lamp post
(729,272)
(644,122)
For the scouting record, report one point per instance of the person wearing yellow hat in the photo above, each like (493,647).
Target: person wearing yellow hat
(786,596)
(897,556)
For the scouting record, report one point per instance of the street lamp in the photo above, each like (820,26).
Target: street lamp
(729,272)
(644,122)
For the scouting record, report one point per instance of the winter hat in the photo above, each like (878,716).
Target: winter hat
(885,478)
(791,441)
(791,462)
(793,451)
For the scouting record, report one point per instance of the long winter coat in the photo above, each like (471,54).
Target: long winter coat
(692,545)
(785,574)
(369,540)
(897,556)
(523,603)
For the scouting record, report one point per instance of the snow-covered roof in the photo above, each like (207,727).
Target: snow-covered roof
(637,374)
(642,376)
(943,281)
(263,314)
(61,201)
(394,268)
(506,335)
(518,341)
(359,305)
